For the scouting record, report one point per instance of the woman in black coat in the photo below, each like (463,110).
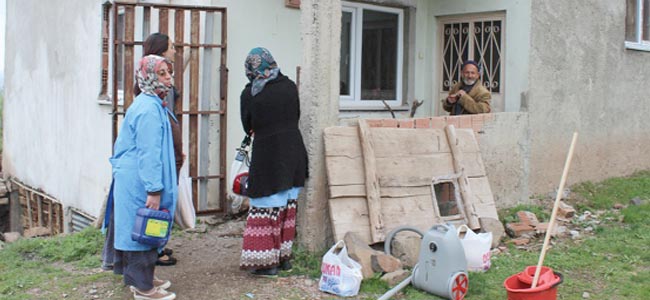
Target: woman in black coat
(270,110)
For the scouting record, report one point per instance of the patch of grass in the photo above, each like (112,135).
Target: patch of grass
(29,263)
(510,215)
(305,263)
(604,195)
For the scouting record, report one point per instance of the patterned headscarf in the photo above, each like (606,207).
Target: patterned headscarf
(260,68)
(147,76)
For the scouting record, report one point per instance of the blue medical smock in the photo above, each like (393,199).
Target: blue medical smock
(143,161)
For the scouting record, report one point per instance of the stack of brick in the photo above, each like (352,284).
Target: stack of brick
(529,226)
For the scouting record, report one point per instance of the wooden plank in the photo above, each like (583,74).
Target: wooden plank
(390,141)
(463,183)
(351,215)
(413,170)
(372,184)
(484,203)
(359,190)
(342,141)
(344,170)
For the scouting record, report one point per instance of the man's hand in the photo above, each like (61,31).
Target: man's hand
(153,202)
(452,98)
(460,93)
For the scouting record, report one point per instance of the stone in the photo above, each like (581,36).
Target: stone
(519,229)
(395,277)
(201,228)
(565,211)
(574,234)
(637,201)
(406,247)
(360,252)
(618,206)
(496,227)
(11,237)
(585,295)
(527,218)
(36,232)
(384,263)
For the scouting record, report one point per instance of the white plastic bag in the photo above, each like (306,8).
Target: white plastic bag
(239,171)
(477,249)
(341,275)
(185,215)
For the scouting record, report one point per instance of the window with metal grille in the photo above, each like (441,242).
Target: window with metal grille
(637,25)
(478,40)
(371,55)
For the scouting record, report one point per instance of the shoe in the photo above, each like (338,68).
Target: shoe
(166,251)
(165,260)
(157,283)
(161,284)
(285,266)
(267,273)
(155,294)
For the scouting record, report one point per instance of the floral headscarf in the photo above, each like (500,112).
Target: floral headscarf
(260,68)
(147,76)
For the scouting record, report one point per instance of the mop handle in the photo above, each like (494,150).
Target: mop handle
(549,230)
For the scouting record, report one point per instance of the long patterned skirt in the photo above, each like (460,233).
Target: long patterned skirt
(268,237)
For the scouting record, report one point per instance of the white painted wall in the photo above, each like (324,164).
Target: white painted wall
(56,137)
(517,44)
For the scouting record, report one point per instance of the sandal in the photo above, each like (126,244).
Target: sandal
(165,260)
(166,251)
(156,293)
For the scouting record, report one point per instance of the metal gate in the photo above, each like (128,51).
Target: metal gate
(199,36)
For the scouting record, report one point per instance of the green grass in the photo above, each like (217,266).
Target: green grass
(30,265)
(2,97)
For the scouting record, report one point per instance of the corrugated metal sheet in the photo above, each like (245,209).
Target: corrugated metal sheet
(79,220)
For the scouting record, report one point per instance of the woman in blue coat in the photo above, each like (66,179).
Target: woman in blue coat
(144,176)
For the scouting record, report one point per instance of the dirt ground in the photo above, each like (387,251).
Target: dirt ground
(208,268)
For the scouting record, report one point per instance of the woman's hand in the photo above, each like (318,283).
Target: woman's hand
(153,202)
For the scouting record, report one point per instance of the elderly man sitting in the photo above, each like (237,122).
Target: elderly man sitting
(468,96)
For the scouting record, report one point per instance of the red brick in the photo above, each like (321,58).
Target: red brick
(438,122)
(453,120)
(528,218)
(422,122)
(565,211)
(465,121)
(518,229)
(373,122)
(406,123)
(389,123)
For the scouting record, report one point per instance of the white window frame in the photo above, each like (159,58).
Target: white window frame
(639,43)
(354,101)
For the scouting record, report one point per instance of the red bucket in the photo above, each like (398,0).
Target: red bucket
(518,285)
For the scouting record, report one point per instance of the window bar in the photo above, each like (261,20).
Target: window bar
(103,93)
(163,21)
(223,104)
(639,20)
(194,103)
(115,79)
(146,22)
(129,21)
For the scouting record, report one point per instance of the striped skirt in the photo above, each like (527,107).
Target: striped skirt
(268,237)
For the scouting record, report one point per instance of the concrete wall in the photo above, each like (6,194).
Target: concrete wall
(583,79)
(56,136)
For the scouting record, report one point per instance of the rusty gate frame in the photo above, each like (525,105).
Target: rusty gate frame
(179,30)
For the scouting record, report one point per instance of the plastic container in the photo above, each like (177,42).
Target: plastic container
(518,285)
(152,227)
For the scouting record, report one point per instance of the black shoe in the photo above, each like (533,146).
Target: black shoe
(285,266)
(268,273)
(165,260)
